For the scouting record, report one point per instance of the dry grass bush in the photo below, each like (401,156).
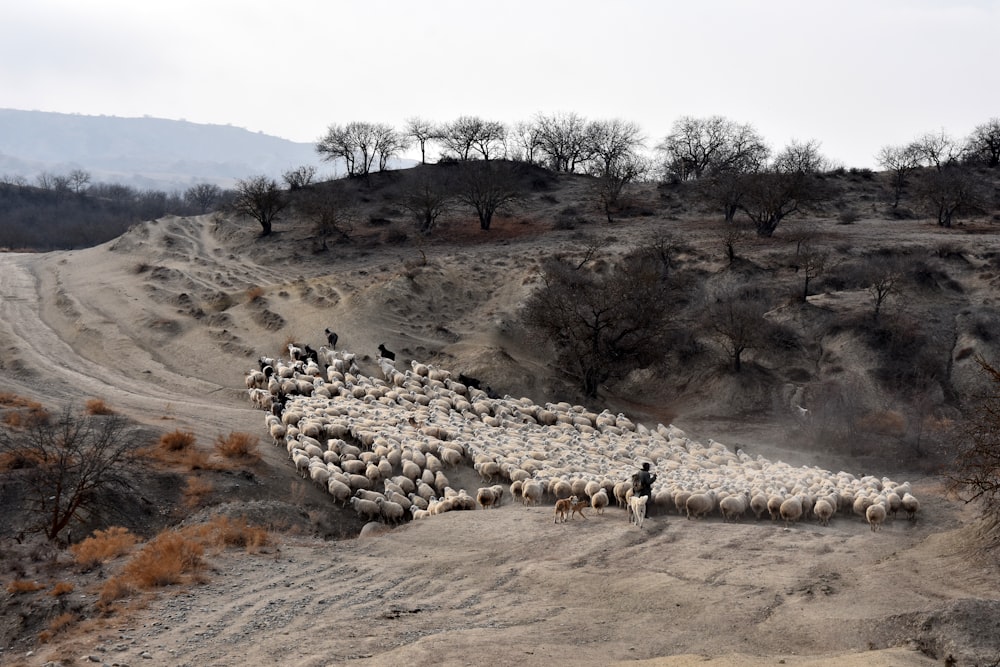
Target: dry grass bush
(167,559)
(254,293)
(195,491)
(103,545)
(176,441)
(888,422)
(223,531)
(57,625)
(19,458)
(19,586)
(96,406)
(62,588)
(22,412)
(238,445)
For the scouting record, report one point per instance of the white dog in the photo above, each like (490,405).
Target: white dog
(637,510)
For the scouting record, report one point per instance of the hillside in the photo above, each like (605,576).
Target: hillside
(163,323)
(147,153)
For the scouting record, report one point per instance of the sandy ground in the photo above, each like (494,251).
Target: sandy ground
(144,324)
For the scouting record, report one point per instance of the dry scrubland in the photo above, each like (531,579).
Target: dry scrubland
(161,325)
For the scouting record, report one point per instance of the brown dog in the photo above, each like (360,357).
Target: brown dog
(578,508)
(563,508)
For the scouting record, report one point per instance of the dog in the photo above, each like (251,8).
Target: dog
(563,508)
(578,508)
(637,510)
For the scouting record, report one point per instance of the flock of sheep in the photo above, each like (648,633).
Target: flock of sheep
(385,446)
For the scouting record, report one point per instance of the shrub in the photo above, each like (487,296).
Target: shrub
(62,588)
(238,445)
(57,625)
(19,586)
(103,545)
(113,589)
(254,293)
(223,531)
(195,491)
(176,441)
(163,561)
(96,406)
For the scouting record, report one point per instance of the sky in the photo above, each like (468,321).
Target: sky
(854,75)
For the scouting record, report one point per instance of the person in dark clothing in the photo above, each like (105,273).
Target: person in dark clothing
(643,484)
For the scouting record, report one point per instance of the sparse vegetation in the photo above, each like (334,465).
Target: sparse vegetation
(239,446)
(103,545)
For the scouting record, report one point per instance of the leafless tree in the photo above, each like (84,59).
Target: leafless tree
(899,161)
(423,132)
(951,190)
(697,147)
(802,158)
(488,186)
(612,144)
(427,197)
(470,134)
(360,145)
(603,324)
(524,142)
(78,180)
(734,313)
(770,196)
(810,262)
(203,196)
(937,149)
(733,233)
(984,143)
(333,213)
(260,198)
(562,140)
(615,175)
(884,279)
(300,177)
(976,473)
(72,465)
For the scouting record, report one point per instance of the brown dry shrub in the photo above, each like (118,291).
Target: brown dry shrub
(113,589)
(96,406)
(103,546)
(238,445)
(254,293)
(19,458)
(888,422)
(61,588)
(165,560)
(23,586)
(195,491)
(176,441)
(57,625)
(223,531)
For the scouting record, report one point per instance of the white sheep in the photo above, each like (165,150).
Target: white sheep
(733,507)
(823,509)
(910,505)
(486,497)
(875,514)
(791,510)
(599,500)
(366,508)
(532,492)
(699,505)
(392,512)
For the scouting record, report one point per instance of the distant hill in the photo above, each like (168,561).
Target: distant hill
(147,153)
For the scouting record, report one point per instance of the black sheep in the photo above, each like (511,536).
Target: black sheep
(331,338)
(384,352)
(470,382)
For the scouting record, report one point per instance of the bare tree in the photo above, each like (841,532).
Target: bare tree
(733,234)
(300,177)
(984,143)
(603,324)
(360,145)
(613,176)
(71,466)
(525,142)
(78,180)
(802,158)
(423,132)
(734,313)
(332,212)
(427,197)
(697,147)
(770,196)
(562,140)
(937,149)
(884,278)
(976,473)
(203,196)
(810,262)
(951,190)
(488,186)
(469,134)
(260,198)
(899,161)
(612,144)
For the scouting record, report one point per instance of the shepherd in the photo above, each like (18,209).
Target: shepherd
(642,483)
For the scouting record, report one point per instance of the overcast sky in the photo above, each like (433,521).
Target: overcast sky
(852,74)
